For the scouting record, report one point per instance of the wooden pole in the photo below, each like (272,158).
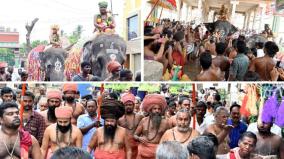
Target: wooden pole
(22,104)
(152,10)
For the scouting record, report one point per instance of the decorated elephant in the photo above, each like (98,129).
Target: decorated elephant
(101,50)
(224,27)
(46,65)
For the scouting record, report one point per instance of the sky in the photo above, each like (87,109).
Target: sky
(66,13)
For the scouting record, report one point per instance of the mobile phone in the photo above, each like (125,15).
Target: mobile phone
(278,64)
(229,122)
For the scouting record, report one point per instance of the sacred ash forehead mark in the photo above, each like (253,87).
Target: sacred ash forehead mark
(58,65)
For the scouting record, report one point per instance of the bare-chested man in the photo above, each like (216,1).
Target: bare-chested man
(209,72)
(111,141)
(182,132)
(151,128)
(269,145)
(130,121)
(221,130)
(69,91)
(11,136)
(264,65)
(183,103)
(61,134)
(221,60)
(54,98)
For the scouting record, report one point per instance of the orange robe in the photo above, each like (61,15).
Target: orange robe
(101,154)
(147,151)
(134,147)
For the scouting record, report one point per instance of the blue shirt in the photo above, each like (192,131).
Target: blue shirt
(83,121)
(236,134)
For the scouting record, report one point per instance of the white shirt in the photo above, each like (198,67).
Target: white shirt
(200,128)
(260,53)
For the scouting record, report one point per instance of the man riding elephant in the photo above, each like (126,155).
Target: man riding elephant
(104,21)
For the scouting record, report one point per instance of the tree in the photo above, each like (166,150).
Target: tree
(8,56)
(28,35)
(76,35)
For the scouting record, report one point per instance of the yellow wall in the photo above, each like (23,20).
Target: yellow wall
(129,10)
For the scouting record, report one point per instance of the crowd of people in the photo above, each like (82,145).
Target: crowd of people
(221,55)
(116,73)
(118,125)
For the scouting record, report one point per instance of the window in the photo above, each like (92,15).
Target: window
(133,26)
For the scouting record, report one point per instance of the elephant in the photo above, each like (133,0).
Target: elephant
(252,40)
(225,28)
(103,49)
(46,65)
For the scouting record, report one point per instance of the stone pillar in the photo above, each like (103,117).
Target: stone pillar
(189,18)
(186,12)
(254,17)
(200,9)
(263,8)
(234,3)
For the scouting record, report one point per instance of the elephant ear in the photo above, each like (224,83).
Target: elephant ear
(87,53)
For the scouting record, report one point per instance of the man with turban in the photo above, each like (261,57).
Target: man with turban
(113,68)
(130,120)
(111,141)
(69,93)
(104,20)
(54,98)
(152,127)
(61,134)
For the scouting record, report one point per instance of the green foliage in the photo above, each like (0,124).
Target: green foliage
(8,56)
(76,35)
(38,42)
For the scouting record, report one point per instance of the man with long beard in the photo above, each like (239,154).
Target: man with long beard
(268,144)
(54,98)
(69,91)
(151,128)
(15,143)
(111,141)
(61,134)
(130,120)
(182,132)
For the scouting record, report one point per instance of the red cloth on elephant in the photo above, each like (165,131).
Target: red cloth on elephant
(25,143)
(101,154)
(154,99)
(147,151)
(113,66)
